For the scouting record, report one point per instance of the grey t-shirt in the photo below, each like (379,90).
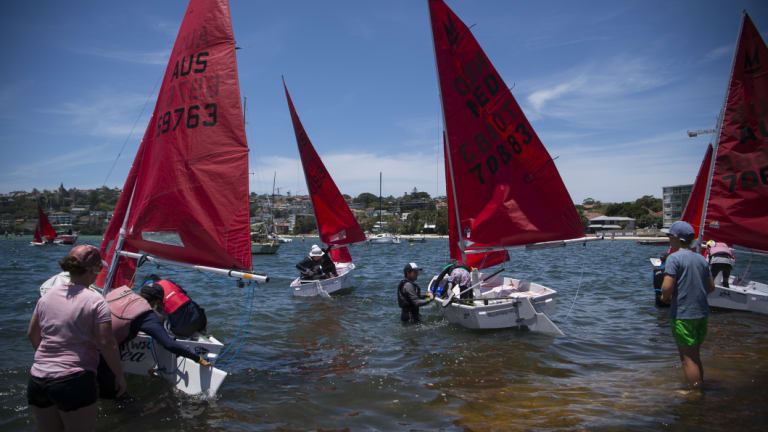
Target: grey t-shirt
(691,272)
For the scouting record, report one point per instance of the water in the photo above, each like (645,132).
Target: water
(346,362)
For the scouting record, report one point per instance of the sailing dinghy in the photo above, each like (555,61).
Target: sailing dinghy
(503,188)
(185,201)
(43,229)
(336,224)
(382,237)
(729,199)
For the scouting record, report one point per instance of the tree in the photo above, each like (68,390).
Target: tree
(366,199)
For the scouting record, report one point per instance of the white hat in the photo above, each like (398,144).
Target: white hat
(315,251)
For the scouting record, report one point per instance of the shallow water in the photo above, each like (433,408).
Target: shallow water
(346,362)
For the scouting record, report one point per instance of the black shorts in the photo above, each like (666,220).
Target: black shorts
(68,393)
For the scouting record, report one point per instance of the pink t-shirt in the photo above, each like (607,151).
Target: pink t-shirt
(68,316)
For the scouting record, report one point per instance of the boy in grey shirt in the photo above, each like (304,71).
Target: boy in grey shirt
(687,281)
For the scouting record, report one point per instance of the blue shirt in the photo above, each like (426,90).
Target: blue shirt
(691,273)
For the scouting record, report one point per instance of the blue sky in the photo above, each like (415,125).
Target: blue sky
(610,87)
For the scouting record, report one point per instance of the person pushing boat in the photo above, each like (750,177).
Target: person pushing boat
(454,275)
(132,313)
(409,296)
(318,265)
(185,316)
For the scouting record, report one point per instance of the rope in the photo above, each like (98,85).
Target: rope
(245,320)
(578,287)
(746,270)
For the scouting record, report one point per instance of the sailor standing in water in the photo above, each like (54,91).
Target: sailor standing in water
(409,296)
(687,281)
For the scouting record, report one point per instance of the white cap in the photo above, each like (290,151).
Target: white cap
(315,251)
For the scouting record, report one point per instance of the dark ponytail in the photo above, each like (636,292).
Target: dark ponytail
(72,265)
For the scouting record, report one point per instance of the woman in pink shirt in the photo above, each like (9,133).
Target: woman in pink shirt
(70,325)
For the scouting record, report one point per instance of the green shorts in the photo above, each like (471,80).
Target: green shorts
(689,332)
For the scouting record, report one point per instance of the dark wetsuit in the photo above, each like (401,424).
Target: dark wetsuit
(409,299)
(320,269)
(152,325)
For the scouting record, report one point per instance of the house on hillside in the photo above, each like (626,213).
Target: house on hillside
(611,223)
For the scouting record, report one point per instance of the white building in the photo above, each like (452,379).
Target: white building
(675,199)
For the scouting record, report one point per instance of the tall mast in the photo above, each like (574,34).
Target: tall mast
(717,138)
(118,246)
(462,245)
(381,227)
(271,212)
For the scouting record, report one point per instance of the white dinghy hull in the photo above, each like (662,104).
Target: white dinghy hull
(747,296)
(503,302)
(301,288)
(141,357)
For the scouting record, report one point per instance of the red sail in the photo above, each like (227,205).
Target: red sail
(46,229)
(340,255)
(738,199)
(695,204)
(36,235)
(188,186)
(478,260)
(507,186)
(335,222)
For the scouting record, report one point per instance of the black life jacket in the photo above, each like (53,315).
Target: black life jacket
(401,300)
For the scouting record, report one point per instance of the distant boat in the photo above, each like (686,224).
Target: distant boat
(503,188)
(654,242)
(729,199)
(185,201)
(43,229)
(336,225)
(382,237)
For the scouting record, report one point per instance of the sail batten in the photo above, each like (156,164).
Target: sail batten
(336,224)
(190,174)
(506,188)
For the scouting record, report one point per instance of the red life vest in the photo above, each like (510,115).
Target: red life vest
(173,297)
(125,305)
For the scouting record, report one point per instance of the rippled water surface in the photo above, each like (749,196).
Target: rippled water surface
(347,362)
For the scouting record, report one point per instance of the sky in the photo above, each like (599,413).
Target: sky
(610,87)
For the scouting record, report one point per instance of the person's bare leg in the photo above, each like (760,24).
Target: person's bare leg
(48,419)
(692,367)
(80,420)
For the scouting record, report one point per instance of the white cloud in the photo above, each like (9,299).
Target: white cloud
(719,52)
(107,114)
(150,57)
(588,90)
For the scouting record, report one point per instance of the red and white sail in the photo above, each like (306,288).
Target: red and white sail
(507,189)
(335,222)
(186,195)
(737,209)
(46,229)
